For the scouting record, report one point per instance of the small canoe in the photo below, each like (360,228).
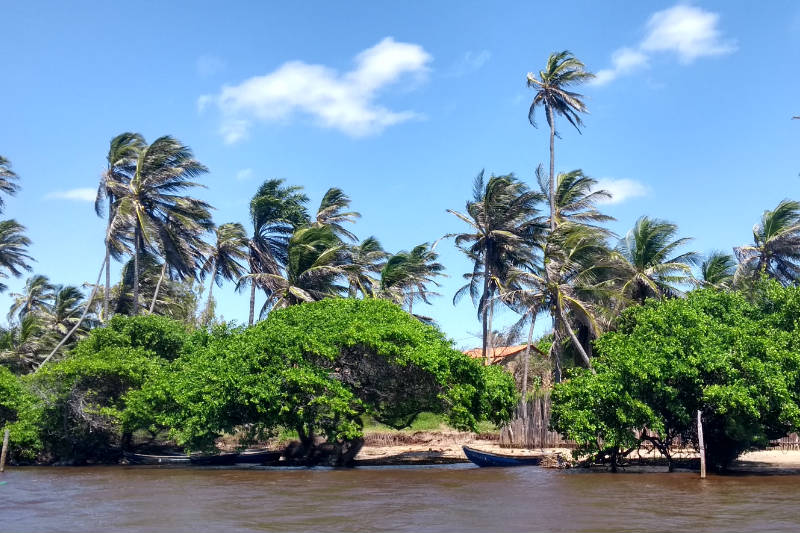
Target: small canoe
(214,460)
(142,459)
(258,456)
(482,458)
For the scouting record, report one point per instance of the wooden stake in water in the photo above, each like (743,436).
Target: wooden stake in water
(4,452)
(702,444)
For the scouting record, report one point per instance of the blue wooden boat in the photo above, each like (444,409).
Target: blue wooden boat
(482,458)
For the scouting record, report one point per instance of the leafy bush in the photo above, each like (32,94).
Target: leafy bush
(318,368)
(736,361)
(19,413)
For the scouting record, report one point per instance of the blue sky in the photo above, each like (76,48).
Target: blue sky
(401,105)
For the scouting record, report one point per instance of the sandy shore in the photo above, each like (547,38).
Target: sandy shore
(446,447)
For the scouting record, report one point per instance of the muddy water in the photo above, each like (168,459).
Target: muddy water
(458,498)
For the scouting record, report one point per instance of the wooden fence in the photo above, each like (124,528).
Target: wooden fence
(789,442)
(530,427)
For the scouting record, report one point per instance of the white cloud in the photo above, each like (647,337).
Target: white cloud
(688,31)
(624,60)
(621,190)
(343,101)
(469,62)
(208,65)
(244,174)
(80,195)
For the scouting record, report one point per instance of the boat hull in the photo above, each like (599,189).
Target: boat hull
(142,459)
(486,459)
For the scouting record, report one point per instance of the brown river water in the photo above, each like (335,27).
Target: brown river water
(457,498)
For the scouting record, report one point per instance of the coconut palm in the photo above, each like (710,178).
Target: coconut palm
(62,315)
(8,180)
(225,259)
(23,344)
(575,199)
(365,261)
(649,263)
(502,225)
(332,213)
(14,257)
(150,205)
(775,251)
(121,165)
(717,270)
(316,262)
(35,297)
(406,275)
(276,211)
(562,71)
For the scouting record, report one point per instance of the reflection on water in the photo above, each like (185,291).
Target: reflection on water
(451,498)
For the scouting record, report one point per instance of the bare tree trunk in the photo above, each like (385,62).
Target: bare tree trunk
(80,320)
(158,286)
(206,313)
(136,270)
(107,291)
(485,309)
(552,169)
(252,301)
(526,361)
(571,333)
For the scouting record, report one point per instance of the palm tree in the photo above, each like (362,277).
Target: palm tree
(8,180)
(316,262)
(121,160)
(35,298)
(562,71)
(22,344)
(64,312)
(575,199)
(648,266)
(717,271)
(150,205)
(14,257)
(502,225)
(775,251)
(365,260)
(331,213)
(276,211)
(224,261)
(406,275)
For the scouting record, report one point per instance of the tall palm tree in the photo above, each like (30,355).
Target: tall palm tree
(150,203)
(365,260)
(35,297)
(14,257)
(502,225)
(717,270)
(406,275)
(775,251)
(22,344)
(562,71)
(121,160)
(649,265)
(225,258)
(316,262)
(63,313)
(276,211)
(332,213)
(8,180)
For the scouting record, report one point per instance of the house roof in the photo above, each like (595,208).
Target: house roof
(499,354)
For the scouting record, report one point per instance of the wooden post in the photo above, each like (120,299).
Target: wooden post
(702,444)
(4,452)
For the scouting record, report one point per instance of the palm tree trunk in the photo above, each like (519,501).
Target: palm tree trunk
(552,169)
(158,286)
(571,333)
(80,320)
(526,362)
(485,295)
(555,354)
(252,301)
(210,290)
(136,270)
(107,291)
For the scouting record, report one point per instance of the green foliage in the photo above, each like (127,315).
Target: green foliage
(19,413)
(737,361)
(318,368)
